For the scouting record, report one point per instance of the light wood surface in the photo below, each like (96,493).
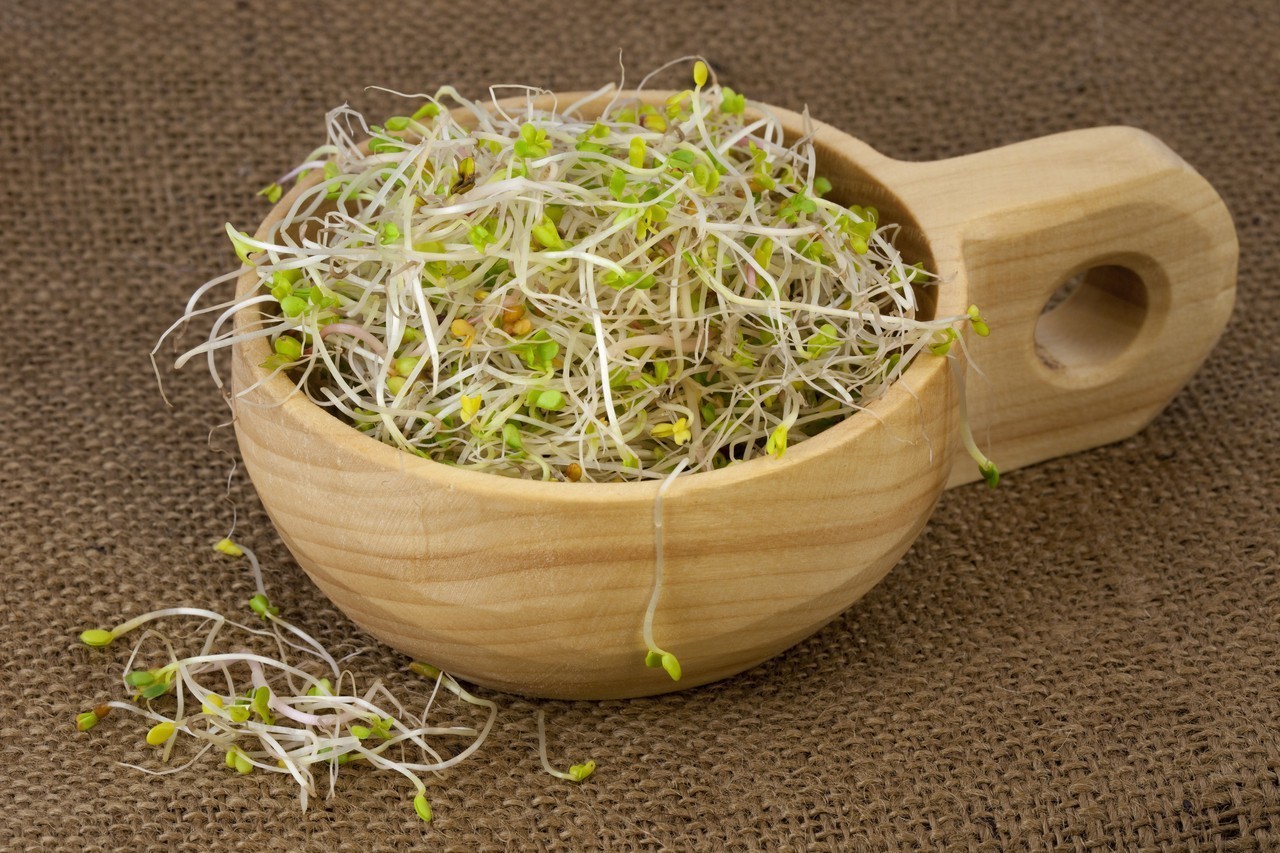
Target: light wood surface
(540,588)
(1156,249)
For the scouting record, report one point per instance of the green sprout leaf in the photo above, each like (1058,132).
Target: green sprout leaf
(978,324)
(140,678)
(811,249)
(239,761)
(546,235)
(823,341)
(550,401)
(763,253)
(579,772)
(479,237)
(942,341)
(239,242)
(681,160)
(654,122)
(287,347)
(97,638)
(293,306)
(261,704)
(275,362)
(539,351)
(261,606)
(731,102)
(910,275)
(797,205)
(323,687)
(511,436)
(422,807)
(706,178)
(428,110)
(618,183)
(632,278)
(532,143)
(155,691)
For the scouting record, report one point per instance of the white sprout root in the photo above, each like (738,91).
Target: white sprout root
(304,719)
(547,296)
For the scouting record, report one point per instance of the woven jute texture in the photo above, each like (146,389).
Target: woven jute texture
(1087,658)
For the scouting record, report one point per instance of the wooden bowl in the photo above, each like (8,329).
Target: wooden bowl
(540,588)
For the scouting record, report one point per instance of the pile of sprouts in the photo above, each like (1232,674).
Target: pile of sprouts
(304,719)
(664,288)
(537,294)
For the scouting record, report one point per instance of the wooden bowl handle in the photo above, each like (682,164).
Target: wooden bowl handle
(1154,250)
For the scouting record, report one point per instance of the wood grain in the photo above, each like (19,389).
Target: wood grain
(540,588)
(1156,248)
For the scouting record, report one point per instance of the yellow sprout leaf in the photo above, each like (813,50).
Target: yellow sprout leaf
(226,546)
(700,73)
(160,733)
(777,443)
(677,432)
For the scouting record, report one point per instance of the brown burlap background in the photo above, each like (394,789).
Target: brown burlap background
(1086,658)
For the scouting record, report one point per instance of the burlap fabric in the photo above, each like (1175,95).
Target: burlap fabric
(1086,659)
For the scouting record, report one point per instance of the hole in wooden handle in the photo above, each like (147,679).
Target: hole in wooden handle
(1091,320)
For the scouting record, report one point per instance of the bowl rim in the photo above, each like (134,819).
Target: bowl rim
(278,392)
